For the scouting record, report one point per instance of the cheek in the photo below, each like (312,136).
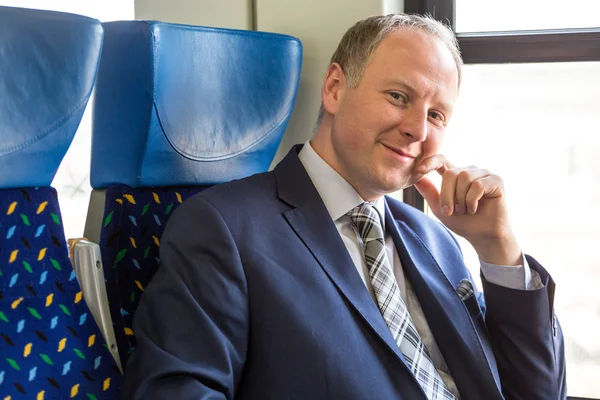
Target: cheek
(347,142)
(353,137)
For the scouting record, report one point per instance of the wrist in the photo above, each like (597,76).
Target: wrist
(499,251)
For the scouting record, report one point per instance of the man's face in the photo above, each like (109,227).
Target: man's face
(396,117)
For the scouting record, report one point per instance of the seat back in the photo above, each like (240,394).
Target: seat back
(177,108)
(50,346)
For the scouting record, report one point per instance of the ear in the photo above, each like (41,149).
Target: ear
(334,87)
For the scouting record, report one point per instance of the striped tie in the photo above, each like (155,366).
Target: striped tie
(367,223)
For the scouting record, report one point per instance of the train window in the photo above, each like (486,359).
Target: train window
(512,15)
(107,10)
(535,125)
(526,111)
(72,179)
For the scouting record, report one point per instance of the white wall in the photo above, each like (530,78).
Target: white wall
(236,14)
(393,6)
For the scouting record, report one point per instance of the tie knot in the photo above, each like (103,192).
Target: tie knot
(367,222)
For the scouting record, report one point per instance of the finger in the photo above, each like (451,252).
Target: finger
(431,164)
(464,180)
(437,162)
(448,191)
(487,186)
(431,195)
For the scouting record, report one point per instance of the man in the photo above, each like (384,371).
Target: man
(307,283)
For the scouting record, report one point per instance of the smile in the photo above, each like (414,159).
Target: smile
(399,154)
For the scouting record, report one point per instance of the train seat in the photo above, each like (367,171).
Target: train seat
(50,345)
(177,108)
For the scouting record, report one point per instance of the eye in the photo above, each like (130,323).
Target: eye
(398,96)
(436,115)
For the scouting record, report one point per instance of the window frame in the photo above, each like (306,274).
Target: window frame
(525,46)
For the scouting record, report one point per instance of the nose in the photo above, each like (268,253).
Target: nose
(414,125)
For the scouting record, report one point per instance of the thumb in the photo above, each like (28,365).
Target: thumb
(430,193)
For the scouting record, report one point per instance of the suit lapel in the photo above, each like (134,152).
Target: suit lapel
(446,315)
(323,241)
(311,221)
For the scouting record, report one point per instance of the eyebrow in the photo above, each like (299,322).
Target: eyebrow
(412,91)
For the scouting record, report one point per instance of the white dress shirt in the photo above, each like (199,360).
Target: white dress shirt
(340,197)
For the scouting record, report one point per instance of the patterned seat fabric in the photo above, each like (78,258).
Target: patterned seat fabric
(134,220)
(50,346)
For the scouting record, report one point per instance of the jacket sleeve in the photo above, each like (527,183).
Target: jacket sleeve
(527,340)
(192,322)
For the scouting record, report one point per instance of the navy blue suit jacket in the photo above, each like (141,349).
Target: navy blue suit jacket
(257,298)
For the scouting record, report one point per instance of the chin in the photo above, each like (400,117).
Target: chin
(396,183)
(386,182)
(390,187)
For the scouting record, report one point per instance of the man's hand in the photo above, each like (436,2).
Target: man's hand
(472,204)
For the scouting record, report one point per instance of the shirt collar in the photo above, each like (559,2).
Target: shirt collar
(337,194)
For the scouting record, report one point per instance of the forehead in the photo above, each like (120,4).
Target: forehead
(415,56)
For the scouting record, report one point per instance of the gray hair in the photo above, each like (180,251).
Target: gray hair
(358,44)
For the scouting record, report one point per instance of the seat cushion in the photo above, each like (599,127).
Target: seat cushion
(134,220)
(51,347)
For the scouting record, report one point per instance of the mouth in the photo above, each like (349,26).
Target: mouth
(400,154)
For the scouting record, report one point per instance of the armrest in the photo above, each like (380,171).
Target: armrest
(87,263)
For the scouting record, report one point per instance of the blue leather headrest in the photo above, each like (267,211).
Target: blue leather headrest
(180,105)
(48,63)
